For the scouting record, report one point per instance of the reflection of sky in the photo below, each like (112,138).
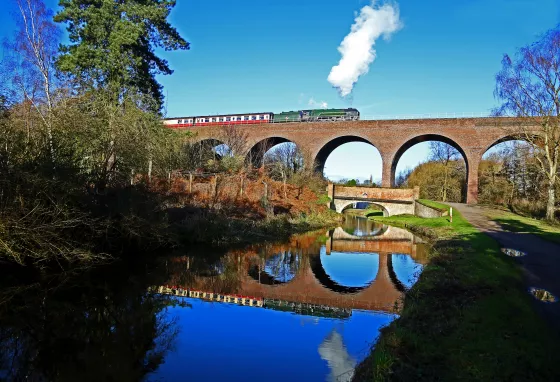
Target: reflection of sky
(406,269)
(359,226)
(280,267)
(350,269)
(225,342)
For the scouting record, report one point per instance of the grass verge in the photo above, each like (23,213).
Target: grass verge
(467,318)
(517,223)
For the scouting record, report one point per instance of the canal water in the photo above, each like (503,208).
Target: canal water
(309,309)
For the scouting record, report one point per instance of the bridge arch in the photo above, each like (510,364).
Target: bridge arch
(430,138)
(506,138)
(326,150)
(340,207)
(257,150)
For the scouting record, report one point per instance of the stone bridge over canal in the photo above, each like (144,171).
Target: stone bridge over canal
(393,201)
(472,137)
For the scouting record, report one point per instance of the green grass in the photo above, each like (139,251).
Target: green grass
(468,318)
(517,223)
(436,205)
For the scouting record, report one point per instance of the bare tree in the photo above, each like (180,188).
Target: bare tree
(447,155)
(31,60)
(235,139)
(529,86)
(284,160)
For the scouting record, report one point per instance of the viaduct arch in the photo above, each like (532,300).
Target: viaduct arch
(472,137)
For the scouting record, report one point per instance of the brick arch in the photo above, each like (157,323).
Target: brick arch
(505,138)
(211,142)
(257,150)
(426,138)
(326,150)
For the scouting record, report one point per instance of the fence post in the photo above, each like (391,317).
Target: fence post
(215,192)
(241,186)
(190,183)
(450,214)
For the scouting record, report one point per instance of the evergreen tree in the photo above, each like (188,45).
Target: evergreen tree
(112,44)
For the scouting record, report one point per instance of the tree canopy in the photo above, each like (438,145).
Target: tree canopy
(112,44)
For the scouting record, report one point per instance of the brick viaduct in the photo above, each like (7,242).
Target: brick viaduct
(471,136)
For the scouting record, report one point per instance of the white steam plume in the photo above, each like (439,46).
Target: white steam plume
(315,104)
(357,47)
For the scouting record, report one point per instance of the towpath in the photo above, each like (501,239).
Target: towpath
(541,265)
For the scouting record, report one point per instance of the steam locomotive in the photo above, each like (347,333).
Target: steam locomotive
(313,115)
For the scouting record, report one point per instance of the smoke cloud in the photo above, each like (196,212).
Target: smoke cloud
(315,104)
(357,47)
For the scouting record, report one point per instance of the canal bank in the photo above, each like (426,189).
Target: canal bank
(469,316)
(314,302)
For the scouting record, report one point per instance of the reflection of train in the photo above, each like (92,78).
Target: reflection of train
(285,306)
(313,115)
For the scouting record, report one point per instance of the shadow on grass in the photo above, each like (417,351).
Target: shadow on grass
(515,225)
(468,317)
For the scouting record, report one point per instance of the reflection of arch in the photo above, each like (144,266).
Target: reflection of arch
(342,234)
(256,153)
(332,145)
(322,276)
(287,262)
(393,275)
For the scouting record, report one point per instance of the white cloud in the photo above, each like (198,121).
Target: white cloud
(357,47)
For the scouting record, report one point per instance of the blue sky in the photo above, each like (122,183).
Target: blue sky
(256,55)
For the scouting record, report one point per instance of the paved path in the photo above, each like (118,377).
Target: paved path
(541,265)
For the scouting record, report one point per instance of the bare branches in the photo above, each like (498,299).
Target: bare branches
(529,86)
(32,54)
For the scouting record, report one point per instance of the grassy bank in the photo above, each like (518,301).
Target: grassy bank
(516,223)
(219,229)
(467,318)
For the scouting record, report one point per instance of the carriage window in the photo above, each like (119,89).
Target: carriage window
(228,119)
(213,119)
(206,120)
(180,121)
(253,117)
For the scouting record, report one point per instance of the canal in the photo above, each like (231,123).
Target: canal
(308,309)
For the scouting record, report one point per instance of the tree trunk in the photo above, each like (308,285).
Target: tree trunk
(550,205)
(444,193)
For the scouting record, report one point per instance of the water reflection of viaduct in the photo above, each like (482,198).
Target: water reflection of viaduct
(311,283)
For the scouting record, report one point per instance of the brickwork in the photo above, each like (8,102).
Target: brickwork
(387,198)
(471,136)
